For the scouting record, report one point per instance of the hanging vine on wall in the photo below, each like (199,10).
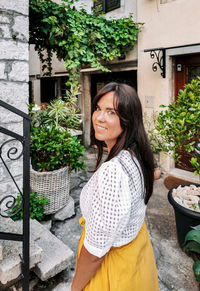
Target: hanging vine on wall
(77,37)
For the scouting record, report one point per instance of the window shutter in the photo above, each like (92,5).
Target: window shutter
(99,6)
(111,5)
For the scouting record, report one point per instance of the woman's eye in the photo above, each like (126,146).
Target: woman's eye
(111,112)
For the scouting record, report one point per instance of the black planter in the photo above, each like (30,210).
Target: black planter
(185,218)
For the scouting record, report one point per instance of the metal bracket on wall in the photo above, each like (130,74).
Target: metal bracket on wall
(160,55)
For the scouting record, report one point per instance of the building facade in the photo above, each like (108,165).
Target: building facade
(46,88)
(170,32)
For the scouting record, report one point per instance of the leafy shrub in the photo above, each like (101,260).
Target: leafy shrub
(180,124)
(52,149)
(36,207)
(52,146)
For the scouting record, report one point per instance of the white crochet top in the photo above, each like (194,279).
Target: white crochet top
(112,204)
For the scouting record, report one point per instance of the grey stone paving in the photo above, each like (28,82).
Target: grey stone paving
(174,267)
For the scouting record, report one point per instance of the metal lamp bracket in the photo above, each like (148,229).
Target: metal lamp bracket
(160,60)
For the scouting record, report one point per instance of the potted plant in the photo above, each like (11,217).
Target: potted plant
(54,153)
(179,124)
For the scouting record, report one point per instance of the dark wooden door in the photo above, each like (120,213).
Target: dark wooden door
(99,80)
(187,67)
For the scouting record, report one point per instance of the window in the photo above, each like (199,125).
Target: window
(104,6)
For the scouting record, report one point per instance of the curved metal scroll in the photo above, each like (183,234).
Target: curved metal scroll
(160,60)
(9,201)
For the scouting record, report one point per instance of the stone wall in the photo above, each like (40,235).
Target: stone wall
(14,74)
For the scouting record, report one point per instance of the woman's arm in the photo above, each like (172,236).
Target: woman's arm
(86,268)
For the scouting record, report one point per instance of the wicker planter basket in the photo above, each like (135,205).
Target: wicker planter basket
(54,185)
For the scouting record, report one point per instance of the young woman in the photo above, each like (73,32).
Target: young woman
(115,253)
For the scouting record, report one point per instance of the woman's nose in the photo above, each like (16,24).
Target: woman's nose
(101,115)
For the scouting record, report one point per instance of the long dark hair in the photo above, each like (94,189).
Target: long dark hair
(133,137)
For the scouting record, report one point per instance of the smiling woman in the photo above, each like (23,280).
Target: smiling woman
(106,122)
(115,251)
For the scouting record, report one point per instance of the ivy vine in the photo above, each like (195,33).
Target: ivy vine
(77,37)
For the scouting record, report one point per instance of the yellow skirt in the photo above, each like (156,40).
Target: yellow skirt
(128,268)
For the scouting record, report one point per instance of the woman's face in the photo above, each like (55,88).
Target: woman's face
(106,122)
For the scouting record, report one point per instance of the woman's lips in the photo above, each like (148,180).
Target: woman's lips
(100,127)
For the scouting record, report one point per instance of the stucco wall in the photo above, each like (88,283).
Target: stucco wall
(167,23)
(14,76)
(171,24)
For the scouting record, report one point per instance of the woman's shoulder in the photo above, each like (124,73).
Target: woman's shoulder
(115,165)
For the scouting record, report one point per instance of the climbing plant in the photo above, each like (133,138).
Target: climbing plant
(78,37)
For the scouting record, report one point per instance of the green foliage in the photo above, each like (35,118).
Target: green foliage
(52,146)
(36,207)
(77,37)
(157,141)
(63,114)
(196,270)
(192,246)
(180,124)
(52,149)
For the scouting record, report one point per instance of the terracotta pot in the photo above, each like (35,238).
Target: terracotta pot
(157,173)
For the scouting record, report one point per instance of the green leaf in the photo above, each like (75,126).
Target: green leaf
(192,246)
(196,269)
(193,235)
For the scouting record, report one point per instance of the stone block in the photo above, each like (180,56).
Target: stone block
(2,71)
(7,187)
(47,224)
(66,212)
(16,168)
(17,6)
(19,72)
(15,94)
(74,182)
(8,117)
(57,256)
(3,174)
(5,31)
(63,287)
(4,19)
(15,126)
(20,28)
(12,50)
(10,266)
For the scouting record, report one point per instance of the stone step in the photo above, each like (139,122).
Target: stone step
(56,255)
(10,266)
(66,212)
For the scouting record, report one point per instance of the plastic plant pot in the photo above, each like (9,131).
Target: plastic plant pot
(185,218)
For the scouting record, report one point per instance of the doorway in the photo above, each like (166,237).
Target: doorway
(187,67)
(99,80)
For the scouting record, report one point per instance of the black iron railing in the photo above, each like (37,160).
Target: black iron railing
(9,201)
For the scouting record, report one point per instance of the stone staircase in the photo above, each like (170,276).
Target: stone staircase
(48,255)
